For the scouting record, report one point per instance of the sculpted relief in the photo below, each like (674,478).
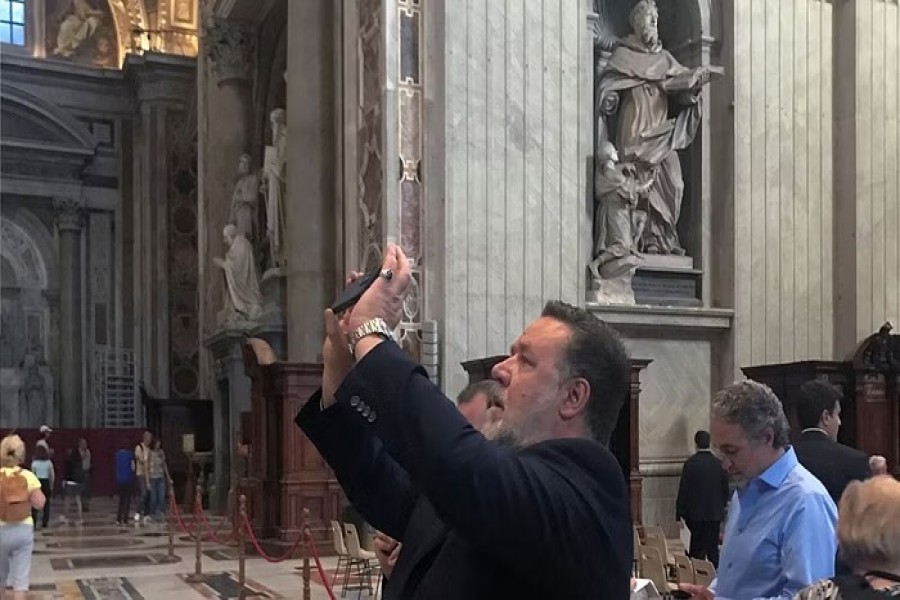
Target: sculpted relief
(648,108)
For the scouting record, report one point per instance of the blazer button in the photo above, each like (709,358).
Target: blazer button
(372,416)
(366,411)
(354,401)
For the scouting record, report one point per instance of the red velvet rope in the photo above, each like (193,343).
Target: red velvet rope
(262,552)
(178,520)
(315,553)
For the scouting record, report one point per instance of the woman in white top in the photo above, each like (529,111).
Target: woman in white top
(16,534)
(42,467)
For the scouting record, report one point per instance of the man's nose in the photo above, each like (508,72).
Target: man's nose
(500,372)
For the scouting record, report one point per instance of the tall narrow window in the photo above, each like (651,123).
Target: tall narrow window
(12,22)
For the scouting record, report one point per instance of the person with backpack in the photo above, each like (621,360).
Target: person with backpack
(43,469)
(124,483)
(20,492)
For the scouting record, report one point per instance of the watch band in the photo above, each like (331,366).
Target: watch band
(376,326)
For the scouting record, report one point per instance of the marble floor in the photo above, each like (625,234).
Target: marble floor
(99,560)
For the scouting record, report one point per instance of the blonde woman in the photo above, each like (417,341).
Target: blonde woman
(868,534)
(20,492)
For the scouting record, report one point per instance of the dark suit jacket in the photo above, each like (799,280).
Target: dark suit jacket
(477,520)
(703,491)
(834,464)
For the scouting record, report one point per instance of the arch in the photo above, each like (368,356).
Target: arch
(23,253)
(129,16)
(68,129)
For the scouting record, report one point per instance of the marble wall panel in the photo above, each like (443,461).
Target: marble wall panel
(783,241)
(676,389)
(867,170)
(877,166)
(515,211)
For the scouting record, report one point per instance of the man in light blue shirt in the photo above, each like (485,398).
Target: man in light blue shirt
(780,532)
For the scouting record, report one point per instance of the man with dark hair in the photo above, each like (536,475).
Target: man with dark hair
(819,414)
(780,532)
(702,496)
(543,515)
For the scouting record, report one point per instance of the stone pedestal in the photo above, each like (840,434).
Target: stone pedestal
(69,215)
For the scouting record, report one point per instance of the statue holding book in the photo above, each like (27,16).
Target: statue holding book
(641,86)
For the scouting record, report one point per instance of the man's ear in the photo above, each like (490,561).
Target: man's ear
(576,400)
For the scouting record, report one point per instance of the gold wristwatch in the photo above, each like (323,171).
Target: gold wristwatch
(376,326)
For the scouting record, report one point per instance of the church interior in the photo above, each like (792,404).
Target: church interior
(187,183)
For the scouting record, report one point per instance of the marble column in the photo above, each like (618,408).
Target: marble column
(69,219)
(311,202)
(163,87)
(223,81)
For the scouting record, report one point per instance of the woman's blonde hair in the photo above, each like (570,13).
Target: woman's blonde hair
(12,451)
(869,524)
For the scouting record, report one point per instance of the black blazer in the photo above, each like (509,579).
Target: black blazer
(477,520)
(834,464)
(703,491)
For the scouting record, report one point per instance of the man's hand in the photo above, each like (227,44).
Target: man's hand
(697,592)
(387,549)
(385,297)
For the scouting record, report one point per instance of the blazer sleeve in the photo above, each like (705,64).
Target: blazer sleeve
(502,501)
(377,486)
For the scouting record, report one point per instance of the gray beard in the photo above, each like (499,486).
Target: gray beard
(650,38)
(505,436)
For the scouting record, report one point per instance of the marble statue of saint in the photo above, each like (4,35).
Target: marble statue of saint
(245,199)
(274,186)
(243,298)
(79,21)
(619,223)
(640,87)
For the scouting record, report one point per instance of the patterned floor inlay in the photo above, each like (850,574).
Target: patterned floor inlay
(112,561)
(224,586)
(83,544)
(227,554)
(108,588)
(82,532)
(103,588)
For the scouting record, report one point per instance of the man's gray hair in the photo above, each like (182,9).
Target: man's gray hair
(755,408)
(490,388)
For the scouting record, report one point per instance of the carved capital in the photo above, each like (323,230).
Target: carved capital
(229,47)
(69,213)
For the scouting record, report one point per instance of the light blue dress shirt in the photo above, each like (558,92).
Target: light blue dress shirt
(780,535)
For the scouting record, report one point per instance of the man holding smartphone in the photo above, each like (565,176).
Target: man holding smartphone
(539,511)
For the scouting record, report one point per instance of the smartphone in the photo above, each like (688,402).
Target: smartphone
(353,292)
(680,594)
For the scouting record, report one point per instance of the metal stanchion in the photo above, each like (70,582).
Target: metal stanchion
(242,575)
(170,557)
(197,576)
(303,548)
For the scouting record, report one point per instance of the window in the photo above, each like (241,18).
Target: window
(12,22)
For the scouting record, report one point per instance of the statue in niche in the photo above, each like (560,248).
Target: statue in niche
(619,224)
(639,88)
(245,199)
(274,187)
(78,23)
(243,300)
(33,391)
